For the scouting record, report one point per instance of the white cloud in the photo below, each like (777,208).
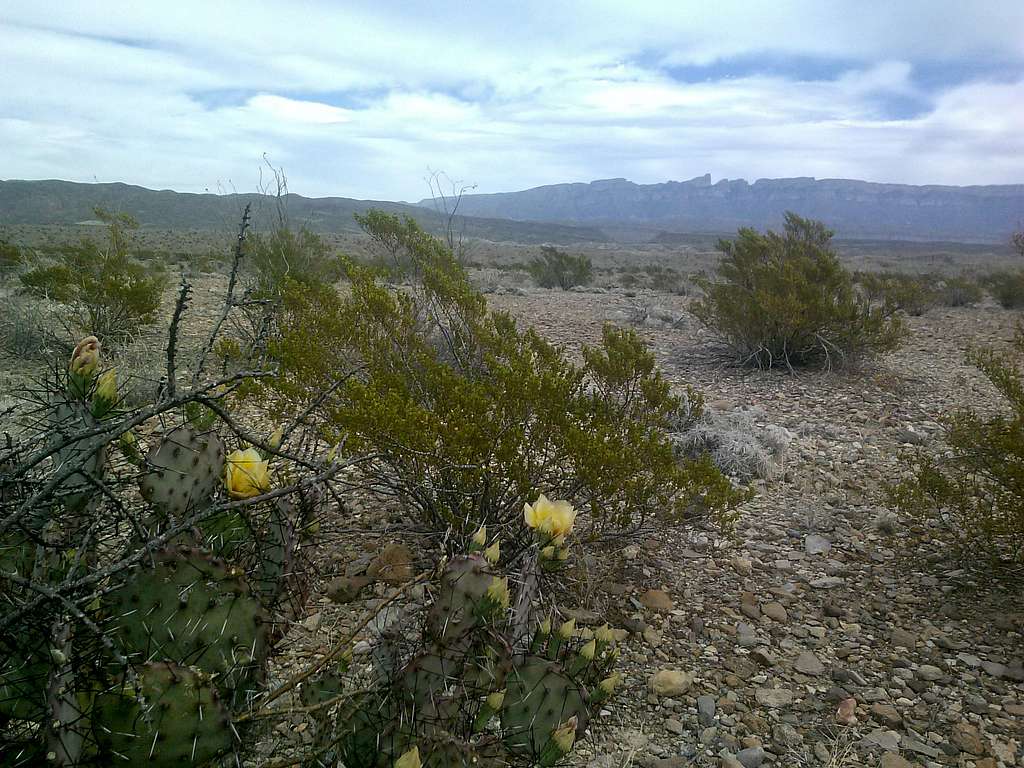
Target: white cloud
(360,99)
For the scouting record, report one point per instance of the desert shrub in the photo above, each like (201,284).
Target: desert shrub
(784,299)
(11,257)
(1007,288)
(30,330)
(961,291)
(913,294)
(666,279)
(558,269)
(974,491)
(300,256)
(110,294)
(464,416)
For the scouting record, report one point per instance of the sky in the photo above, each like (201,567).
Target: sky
(368,99)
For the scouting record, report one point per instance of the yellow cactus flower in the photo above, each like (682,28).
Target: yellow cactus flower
(496,700)
(493,553)
(86,357)
(246,474)
(497,593)
(480,537)
(588,650)
(565,631)
(274,441)
(554,518)
(604,635)
(564,736)
(410,759)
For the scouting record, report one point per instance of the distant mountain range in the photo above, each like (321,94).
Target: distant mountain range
(855,209)
(66,202)
(601,211)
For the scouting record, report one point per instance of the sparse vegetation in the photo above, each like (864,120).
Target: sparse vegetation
(961,291)
(300,256)
(1007,288)
(784,299)
(557,269)
(109,293)
(974,492)
(913,294)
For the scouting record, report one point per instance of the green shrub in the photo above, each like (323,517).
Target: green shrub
(11,257)
(464,416)
(285,254)
(975,490)
(1007,288)
(913,294)
(784,299)
(110,294)
(959,292)
(557,269)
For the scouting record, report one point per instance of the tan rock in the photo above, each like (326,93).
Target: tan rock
(392,565)
(657,600)
(670,682)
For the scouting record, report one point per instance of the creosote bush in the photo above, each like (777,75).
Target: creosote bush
(109,293)
(299,256)
(975,489)
(465,415)
(784,299)
(558,269)
(913,294)
(961,291)
(1007,288)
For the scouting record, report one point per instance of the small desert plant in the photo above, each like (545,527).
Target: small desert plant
(784,299)
(110,294)
(464,415)
(666,279)
(741,443)
(29,330)
(975,490)
(558,269)
(1007,288)
(11,257)
(959,291)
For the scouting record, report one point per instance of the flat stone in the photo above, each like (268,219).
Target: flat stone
(670,682)
(893,760)
(742,566)
(886,714)
(903,638)
(706,709)
(913,745)
(345,589)
(751,757)
(785,735)
(657,600)
(809,664)
(775,611)
(827,582)
(967,738)
(887,740)
(817,545)
(930,673)
(673,726)
(763,657)
(774,698)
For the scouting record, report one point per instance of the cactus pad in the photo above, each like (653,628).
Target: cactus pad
(193,609)
(539,697)
(456,611)
(175,720)
(184,470)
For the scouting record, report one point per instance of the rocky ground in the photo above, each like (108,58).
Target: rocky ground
(827,631)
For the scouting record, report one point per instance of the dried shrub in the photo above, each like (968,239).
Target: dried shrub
(1007,288)
(558,269)
(913,294)
(741,443)
(961,291)
(974,491)
(784,299)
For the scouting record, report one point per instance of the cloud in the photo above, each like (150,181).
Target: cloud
(361,99)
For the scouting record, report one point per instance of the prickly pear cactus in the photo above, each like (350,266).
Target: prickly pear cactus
(184,470)
(78,491)
(192,609)
(175,718)
(539,697)
(457,609)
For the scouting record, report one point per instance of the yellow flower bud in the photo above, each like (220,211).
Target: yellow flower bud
(498,592)
(604,635)
(480,537)
(565,631)
(274,441)
(561,554)
(246,474)
(331,454)
(496,700)
(559,541)
(564,736)
(410,759)
(548,553)
(545,626)
(106,385)
(610,683)
(588,650)
(86,357)
(492,553)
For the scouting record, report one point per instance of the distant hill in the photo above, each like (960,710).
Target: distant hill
(855,209)
(66,202)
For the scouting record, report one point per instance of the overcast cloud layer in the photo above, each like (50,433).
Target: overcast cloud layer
(360,99)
